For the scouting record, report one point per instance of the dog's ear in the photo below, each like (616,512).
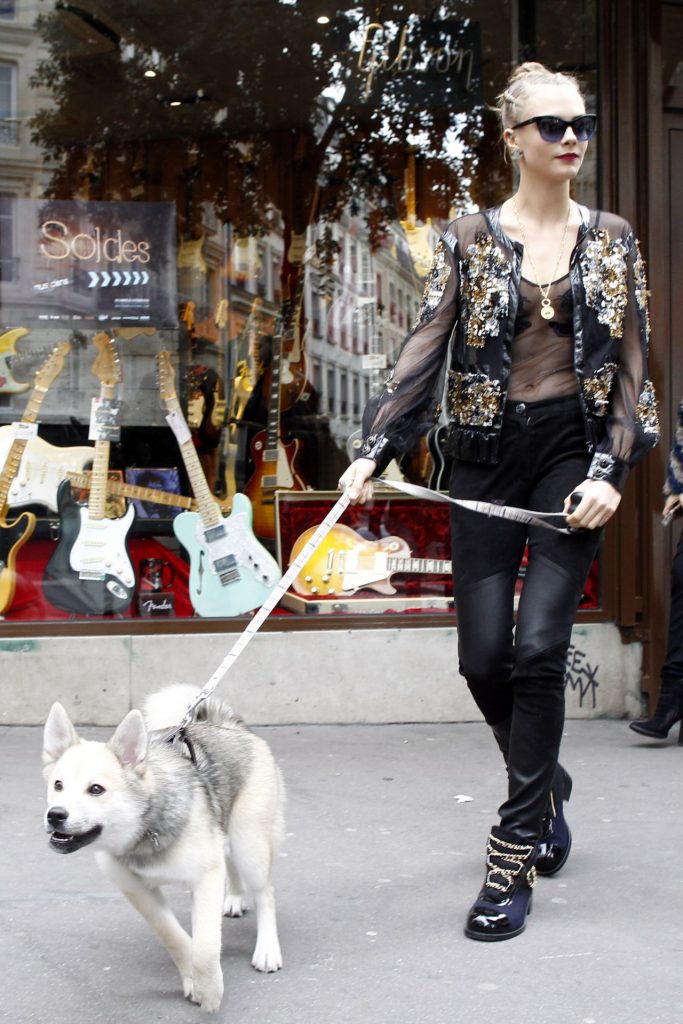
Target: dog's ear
(129,742)
(58,735)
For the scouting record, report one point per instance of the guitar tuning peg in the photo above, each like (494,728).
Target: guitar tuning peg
(314,590)
(308,579)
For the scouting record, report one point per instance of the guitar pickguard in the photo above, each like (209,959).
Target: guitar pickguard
(81,576)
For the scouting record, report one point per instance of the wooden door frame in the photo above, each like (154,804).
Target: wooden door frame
(637,550)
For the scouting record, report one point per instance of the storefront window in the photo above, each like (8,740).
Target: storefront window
(216,223)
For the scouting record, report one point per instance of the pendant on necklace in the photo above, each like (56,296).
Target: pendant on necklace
(547,311)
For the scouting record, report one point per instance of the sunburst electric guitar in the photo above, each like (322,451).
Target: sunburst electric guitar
(90,571)
(345,562)
(15,533)
(230,572)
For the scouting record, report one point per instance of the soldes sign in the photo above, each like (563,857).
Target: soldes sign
(89,262)
(60,243)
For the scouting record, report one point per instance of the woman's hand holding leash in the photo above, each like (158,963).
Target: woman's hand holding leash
(673,506)
(599,501)
(356,481)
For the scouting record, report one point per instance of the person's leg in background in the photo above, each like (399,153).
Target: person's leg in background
(669,708)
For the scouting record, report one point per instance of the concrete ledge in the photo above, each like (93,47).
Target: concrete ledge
(326,677)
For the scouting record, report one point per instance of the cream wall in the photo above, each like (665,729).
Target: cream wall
(370,676)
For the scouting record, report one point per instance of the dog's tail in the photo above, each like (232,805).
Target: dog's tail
(166,708)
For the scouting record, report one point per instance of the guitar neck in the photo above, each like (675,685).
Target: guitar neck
(292,329)
(395,563)
(83,480)
(206,504)
(97,502)
(10,470)
(14,456)
(273,425)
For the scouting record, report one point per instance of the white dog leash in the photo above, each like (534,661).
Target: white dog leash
(262,614)
(488,508)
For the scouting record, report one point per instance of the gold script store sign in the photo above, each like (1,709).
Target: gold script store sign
(434,63)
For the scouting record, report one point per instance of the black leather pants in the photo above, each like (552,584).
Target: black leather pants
(518,673)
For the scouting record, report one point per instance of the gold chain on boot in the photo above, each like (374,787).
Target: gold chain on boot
(517,855)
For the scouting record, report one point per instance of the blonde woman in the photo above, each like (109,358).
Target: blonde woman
(543,305)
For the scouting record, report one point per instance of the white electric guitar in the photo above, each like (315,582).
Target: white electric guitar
(91,571)
(43,467)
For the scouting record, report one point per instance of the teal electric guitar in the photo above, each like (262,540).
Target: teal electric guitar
(230,571)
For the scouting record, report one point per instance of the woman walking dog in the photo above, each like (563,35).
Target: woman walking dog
(544,304)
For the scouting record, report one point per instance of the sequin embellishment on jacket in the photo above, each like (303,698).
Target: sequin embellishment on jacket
(485,277)
(603,264)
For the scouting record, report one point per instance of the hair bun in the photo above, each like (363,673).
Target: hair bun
(529,67)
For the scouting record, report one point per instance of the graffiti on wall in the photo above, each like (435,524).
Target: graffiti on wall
(581,676)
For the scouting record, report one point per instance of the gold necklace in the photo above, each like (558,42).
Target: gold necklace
(547,311)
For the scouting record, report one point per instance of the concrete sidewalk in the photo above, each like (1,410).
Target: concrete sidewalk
(381,862)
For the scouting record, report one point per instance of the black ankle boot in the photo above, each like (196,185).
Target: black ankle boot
(501,908)
(669,710)
(556,836)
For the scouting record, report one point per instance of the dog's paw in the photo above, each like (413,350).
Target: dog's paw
(234,906)
(267,958)
(207,989)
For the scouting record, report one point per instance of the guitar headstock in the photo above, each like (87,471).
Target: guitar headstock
(106,367)
(52,366)
(166,376)
(130,333)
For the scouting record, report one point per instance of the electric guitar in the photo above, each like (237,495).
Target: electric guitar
(43,467)
(442,460)
(345,562)
(230,572)
(8,341)
(274,461)
(417,235)
(14,534)
(90,572)
(293,369)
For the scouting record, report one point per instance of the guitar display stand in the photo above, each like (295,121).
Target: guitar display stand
(423,527)
(156,604)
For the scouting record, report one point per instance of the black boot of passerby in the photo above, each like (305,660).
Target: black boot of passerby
(668,712)
(501,908)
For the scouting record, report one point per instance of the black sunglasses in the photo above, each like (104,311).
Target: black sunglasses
(553,129)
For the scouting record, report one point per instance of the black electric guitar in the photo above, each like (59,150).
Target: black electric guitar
(15,533)
(91,572)
(274,459)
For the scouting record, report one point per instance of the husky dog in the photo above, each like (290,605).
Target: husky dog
(153,816)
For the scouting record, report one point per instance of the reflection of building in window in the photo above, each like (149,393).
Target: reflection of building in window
(355,396)
(343,395)
(7,260)
(331,390)
(262,276)
(9,126)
